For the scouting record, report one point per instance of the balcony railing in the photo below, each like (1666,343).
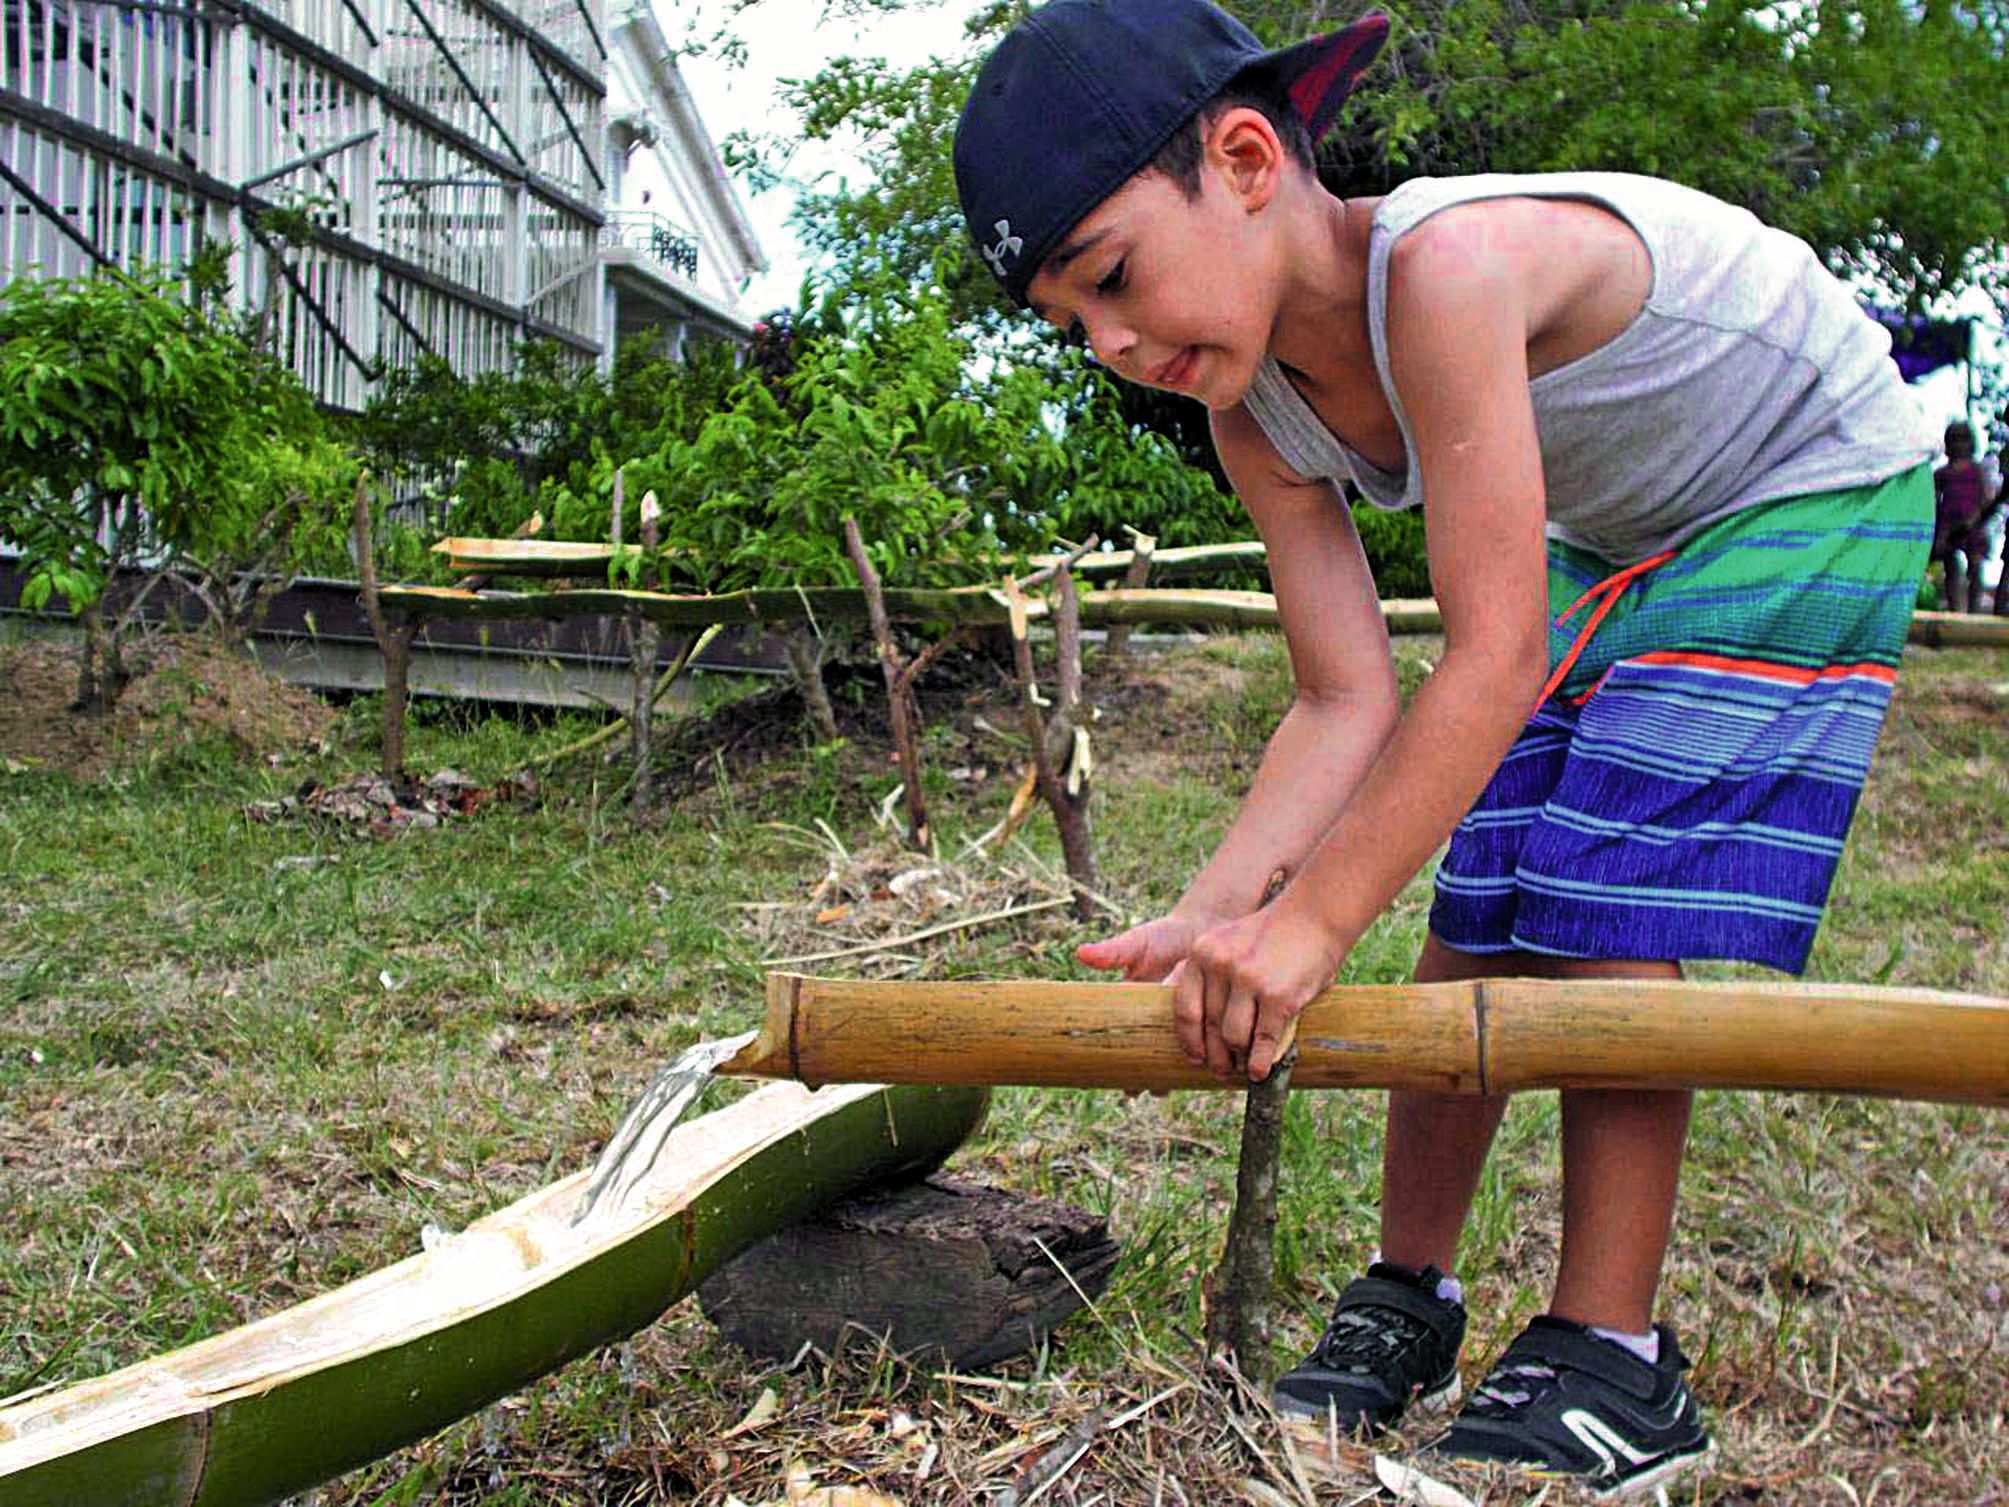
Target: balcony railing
(646,231)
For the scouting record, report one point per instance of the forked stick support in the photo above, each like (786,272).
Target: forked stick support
(1487,1036)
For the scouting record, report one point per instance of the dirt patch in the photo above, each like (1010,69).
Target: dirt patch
(188,695)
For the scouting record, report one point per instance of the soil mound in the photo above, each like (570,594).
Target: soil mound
(189,697)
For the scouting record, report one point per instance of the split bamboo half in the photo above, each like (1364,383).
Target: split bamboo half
(265,1411)
(1486,1036)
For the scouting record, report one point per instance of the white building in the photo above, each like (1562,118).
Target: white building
(678,247)
(474,170)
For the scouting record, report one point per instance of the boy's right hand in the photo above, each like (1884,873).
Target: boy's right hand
(1145,954)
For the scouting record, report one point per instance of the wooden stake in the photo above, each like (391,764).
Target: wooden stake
(647,641)
(1238,1290)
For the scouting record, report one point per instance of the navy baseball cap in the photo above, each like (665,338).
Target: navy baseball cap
(1082,94)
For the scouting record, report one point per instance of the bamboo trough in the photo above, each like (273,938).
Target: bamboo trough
(267,1410)
(1489,1036)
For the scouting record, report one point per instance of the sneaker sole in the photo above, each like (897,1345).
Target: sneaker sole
(1446,1396)
(1667,1470)
(1632,1486)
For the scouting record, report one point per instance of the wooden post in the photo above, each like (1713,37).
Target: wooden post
(1135,575)
(645,640)
(902,710)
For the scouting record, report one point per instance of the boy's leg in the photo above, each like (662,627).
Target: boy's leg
(1435,1145)
(1621,1162)
(1621,1166)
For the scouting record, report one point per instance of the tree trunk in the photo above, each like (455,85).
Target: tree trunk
(805,658)
(902,712)
(1062,764)
(89,697)
(394,640)
(397,649)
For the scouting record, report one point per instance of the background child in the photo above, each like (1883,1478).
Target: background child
(1612,397)
(1960,533)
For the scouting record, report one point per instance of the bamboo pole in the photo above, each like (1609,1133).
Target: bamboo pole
(981,606)
(270,1409)
(1473,1037)
(558,557)
(1959,630)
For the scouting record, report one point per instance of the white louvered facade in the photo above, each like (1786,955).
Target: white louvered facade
(453,155)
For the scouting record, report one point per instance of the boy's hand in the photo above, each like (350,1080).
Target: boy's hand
(1245,982)
(1146,954)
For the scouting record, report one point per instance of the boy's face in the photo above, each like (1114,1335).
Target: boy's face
(1170,292)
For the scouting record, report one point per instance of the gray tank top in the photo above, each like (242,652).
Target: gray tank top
(1750,375)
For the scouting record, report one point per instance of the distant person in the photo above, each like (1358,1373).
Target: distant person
(1960,533)
(1992,467)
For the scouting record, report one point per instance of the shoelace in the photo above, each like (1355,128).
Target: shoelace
(1353,1341)
(1496,1394)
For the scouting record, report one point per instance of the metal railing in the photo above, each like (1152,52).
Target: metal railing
(652,234)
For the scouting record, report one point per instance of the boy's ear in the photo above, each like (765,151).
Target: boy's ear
(1245,149)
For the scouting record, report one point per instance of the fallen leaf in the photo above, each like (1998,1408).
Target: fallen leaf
(832,913)
(766,1408)
(1410,1485)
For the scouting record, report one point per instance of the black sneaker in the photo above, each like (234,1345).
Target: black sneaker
(1564,1402)
(1392,1344)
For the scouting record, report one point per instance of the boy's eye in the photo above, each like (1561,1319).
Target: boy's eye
(1113,282)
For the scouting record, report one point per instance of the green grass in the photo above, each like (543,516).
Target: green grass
(242,1062)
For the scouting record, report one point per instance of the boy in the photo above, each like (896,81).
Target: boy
(1586,381)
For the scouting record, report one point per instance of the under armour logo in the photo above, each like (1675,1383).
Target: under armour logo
(1008,245)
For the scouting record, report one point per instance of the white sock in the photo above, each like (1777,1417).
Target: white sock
(1646,1346)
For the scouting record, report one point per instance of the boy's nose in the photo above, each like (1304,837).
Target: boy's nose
(1111,340)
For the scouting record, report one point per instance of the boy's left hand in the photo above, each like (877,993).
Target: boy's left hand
(1243,983)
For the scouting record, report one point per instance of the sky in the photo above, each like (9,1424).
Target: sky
(789,39)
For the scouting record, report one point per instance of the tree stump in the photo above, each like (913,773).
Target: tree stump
(948,1271)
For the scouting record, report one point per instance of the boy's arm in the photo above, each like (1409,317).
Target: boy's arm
(1343,709)
(1459,322)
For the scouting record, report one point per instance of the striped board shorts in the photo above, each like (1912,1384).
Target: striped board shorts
(1685,793)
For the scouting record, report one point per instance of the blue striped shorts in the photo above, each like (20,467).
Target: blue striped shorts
(1686,794)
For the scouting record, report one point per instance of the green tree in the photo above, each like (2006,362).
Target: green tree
(1873,129)
(884,409)
(138,428)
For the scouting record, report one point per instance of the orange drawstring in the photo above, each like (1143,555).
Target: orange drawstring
(1611,588)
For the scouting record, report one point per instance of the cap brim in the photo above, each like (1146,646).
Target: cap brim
(1319,74)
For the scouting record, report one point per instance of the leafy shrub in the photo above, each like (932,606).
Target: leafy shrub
(1395,552)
